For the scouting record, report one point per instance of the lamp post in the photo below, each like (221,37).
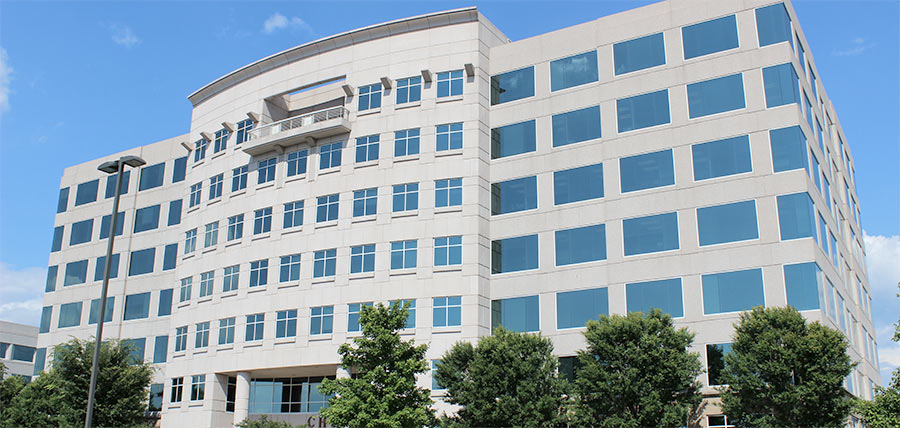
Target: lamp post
(111,167)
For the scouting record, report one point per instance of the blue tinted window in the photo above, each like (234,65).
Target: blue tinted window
(449,83)
(100,270)
(63,201)
(174,212)
(514,254)
(516,314)
(52,273)
(87,192)
(727,223)
(575,308)
(709,37)
(95,310)
(160,348)
(111,184)
(773,25)
(647,171)
(449,137)
(638,54)
(803,286)
(578,184)
(715,364)
(46,314)
(573,71)
(169,256)
(104,225)
(788,149)
(716,95)
(643,111)
(448,251)
(410,89)
(369,97)
(141,262)
(165,302)
(137,348)
(137,306)
(179,169)
(76,273)
(512,139)
(576,126)
(796,216)
(146,218)
(152,176)
(720,158)
(581,244)
(81,232)
(447,311)
(663,294)
(781,85)
(514,195)
(512,85)
(732,291)
(56,245)
(650,234)
(39,356)
(69,315)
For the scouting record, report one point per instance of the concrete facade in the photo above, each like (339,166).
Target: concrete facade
(17,348)
(328,75)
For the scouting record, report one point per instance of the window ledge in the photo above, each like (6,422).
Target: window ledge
(289,284)
(408,213)
(450,209)
(449,329)
(237,193)
(324,224)
(183,304)
(188,255)
(266,185)
(284,340)
(363,219)
(362,275)
(407,158)
(293,178)
(323,280)
(294,229)
(402,272)
(366,164)
(209,249)
(199,351)
(199,162)
(257,289)
(330,170)
(179,354)
(410,104)
(214,201)
(227,347)
(260,236)
(408,332)
(319,337)
(205,299)
(449,268)
(451,152)
(229,293)
(232,243)
(218,154)
(193,208)
(449,99)
(253,344)
(196,404)
(368,112)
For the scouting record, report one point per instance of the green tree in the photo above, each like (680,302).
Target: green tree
(508,379)
(383,392)
(59,397)
(783,371)
(264,422)
(635,372)
(884,410)
(10,387)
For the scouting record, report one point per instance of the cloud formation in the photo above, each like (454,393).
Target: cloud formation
(883,266)
(21,294)
(5,78)
(278,22)
(122,35)
(857,47)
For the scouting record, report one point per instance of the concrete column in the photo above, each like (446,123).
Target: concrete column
(341,373)
(242,398)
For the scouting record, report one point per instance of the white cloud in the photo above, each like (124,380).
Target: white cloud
(857,47)
(883,266)
(883,261)
(5,77)
(122,35)
(21,293)
(279,22)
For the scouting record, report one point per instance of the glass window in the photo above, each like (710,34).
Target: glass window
(226,331)
(262,220)
(177,388)
(510,196)
(410,90)
(180,339)
(370,97)
(512,85)
(215,186)
(296,162)
(146,218)
(69,315)
(716,96)
(727,223)
(663,294)
(221,141)
(235,227)
(76,273)
(152,176)
(448,193)
(293,214)
(353,311)
(650,234)
(638,54)
(201,335)
(179,169)
(788,149)
(141,262)
(286,323)
(207,280)
(327,208)
(190,241)
(732,291)
(643,111)
(449,83)
(575,308)
(100,268)
(448,137)
(406,142)
(243,131)
(195,195)
(410,311)
(573,71)
(174,212)
(81,232)
(56,244)
(324,263)
(580,245)
(321,320)
(22,353)
(52,273)
(137,306)
(367,148)
(198,386)
(185,290)
(803,286)
(165,302)
(63,202)
(137,348)
(721,158)
(796,218)
(365,202)
(87,192)
(46,315)
(404,254)
(290,268)
(239,178)
(647,171)
(259,273)
(447,311)
(230,278)
(330,155)
(362,258)
(575,126)
(170,256)
(406,197)
(514,254)
(200,149)
(513,139)
(160,349)
(708,37)
(781,85)
(254,329)
(111,184)
(104,224)
(773,25)
(516,314)
(448,251)
(715,365)
(265,171)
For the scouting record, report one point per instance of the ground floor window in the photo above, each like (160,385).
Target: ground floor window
(286,395)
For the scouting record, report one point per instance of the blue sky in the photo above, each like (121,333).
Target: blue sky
(80,80)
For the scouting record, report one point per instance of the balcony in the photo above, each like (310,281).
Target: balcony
(298,129)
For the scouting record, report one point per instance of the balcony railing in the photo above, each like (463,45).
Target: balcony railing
(299,122)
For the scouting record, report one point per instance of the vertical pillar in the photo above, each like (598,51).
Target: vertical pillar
(242,398)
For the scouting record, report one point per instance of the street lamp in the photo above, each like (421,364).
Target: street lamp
(111,167)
